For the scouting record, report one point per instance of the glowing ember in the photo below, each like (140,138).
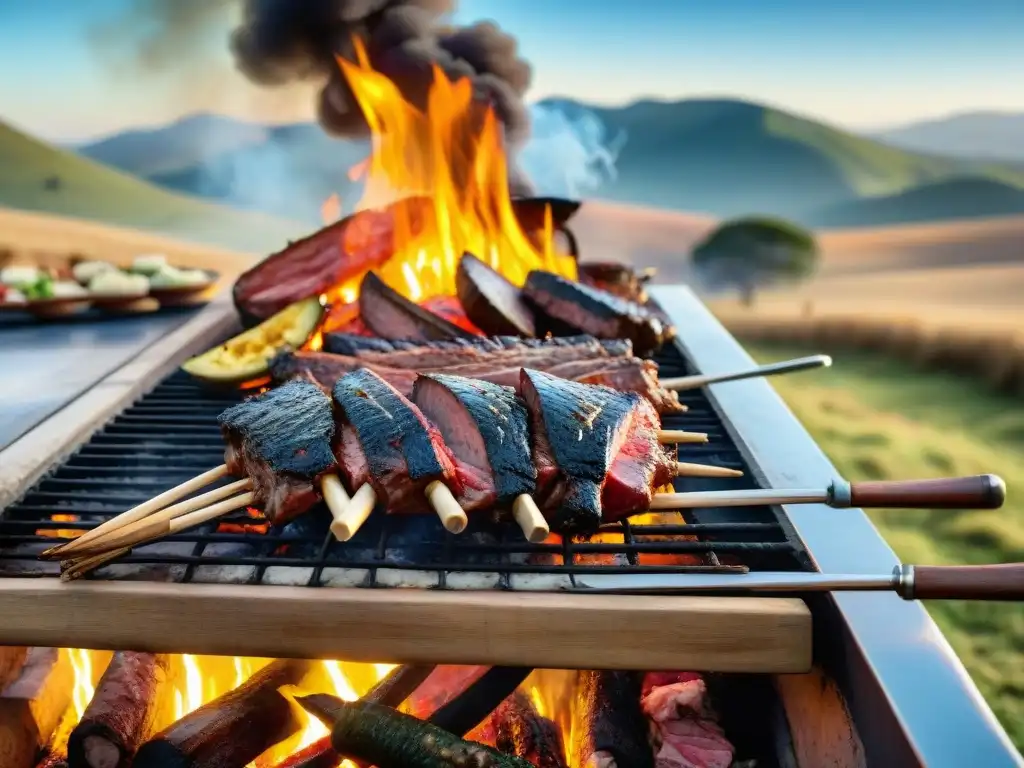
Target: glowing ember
(61,533)
(261,525)
(453,155)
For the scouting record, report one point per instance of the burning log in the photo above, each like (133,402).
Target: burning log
(386,738)
(31,707)
(12,659)
(391,691)
(609,728)
(233,729)
(470,708)
(521,731)
(52,761)
(121,712)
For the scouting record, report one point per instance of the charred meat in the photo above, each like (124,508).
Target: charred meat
(577,431)
(485,426)
(348,344)
(386,441)
(282,441)
(492,302)
(616,278)
(569,304)
(387,313)
(609,730)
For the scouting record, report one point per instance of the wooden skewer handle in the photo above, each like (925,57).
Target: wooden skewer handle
(963,582)
(975,492)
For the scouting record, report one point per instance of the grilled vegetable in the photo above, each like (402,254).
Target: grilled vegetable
(493,303)
(247,356)
(383,737)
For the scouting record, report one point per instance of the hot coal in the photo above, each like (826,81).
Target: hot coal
(569,304)
(609,729)
(282,441)
(282,40)
(516,728)
(485,426)
(386,441)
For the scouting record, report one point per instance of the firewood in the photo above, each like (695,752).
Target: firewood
(31,707)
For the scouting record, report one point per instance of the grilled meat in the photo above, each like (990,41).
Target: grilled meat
(640,466)
(609,730)
(387,313)
(493,303)
(569,304)
(686,728)
(537,356)
(623,373)
(282,441)
(386,441)
(615,278)
(577,432)
(347,344)
(485,426)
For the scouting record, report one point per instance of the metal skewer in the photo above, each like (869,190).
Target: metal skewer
(771,369)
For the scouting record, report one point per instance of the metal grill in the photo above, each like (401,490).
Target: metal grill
(170,435)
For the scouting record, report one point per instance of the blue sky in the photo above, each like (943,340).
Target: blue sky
(859,64)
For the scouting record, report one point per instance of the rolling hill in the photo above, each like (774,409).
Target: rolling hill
(971,134)
(961,198)
(718,157)
(39,177)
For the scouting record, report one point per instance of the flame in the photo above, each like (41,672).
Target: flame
(61,533)
(453,154)
(330,211)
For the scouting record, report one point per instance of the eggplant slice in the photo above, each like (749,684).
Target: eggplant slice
(392,316)
(492,303)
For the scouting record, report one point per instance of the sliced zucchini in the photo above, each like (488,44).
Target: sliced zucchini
(247,356)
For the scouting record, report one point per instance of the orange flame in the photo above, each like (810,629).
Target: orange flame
(61,533)
(453,154)
(330,211)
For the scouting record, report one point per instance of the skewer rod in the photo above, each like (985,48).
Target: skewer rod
(669,436)
(744,498)
(441,499)
(686,469)
(529,517)
(347,524)
(772,369)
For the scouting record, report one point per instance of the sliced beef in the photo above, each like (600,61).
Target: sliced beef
(281,439)
(626,374)
(540,357)
(616,278)
(387,313)
(402,452)
(485,426)
(577,431)
(685,724)
(640,466)
(346,344)
(330,256)
(569,304)
(491,301)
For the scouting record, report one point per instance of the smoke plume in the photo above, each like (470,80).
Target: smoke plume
(280,41)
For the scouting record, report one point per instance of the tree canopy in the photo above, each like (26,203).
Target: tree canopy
(753,252)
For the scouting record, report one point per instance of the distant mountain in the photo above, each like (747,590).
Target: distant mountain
(719,157)
(972,134)
(39,177)
(964,198)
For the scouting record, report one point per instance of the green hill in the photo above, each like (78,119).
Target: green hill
(723,157)
(37,177)
(964,198)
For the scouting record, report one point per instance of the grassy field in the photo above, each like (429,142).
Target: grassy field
(879,419)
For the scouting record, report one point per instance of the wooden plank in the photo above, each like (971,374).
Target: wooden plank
(552,630)
(32,706)
(820,725)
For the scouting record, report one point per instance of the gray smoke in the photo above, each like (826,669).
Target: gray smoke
(280,41)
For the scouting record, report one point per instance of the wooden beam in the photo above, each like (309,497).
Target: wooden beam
(31,707)
(552,630)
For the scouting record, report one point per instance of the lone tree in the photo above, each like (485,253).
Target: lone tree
(750,253)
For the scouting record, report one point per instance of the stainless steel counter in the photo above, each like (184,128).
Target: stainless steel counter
(44,366)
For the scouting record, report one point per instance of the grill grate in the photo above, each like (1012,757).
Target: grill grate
(170,435)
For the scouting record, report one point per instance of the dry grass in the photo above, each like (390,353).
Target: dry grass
(45,240)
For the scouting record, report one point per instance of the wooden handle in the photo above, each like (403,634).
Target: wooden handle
(965,582)
(976,492)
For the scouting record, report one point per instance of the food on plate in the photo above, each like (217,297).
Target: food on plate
(117,283)
(172,277)
(149,263)
(281,440)
(493,303)
(10,295)
(85,271)
(584,309)
(45,287)
(247,356)
(19,275)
